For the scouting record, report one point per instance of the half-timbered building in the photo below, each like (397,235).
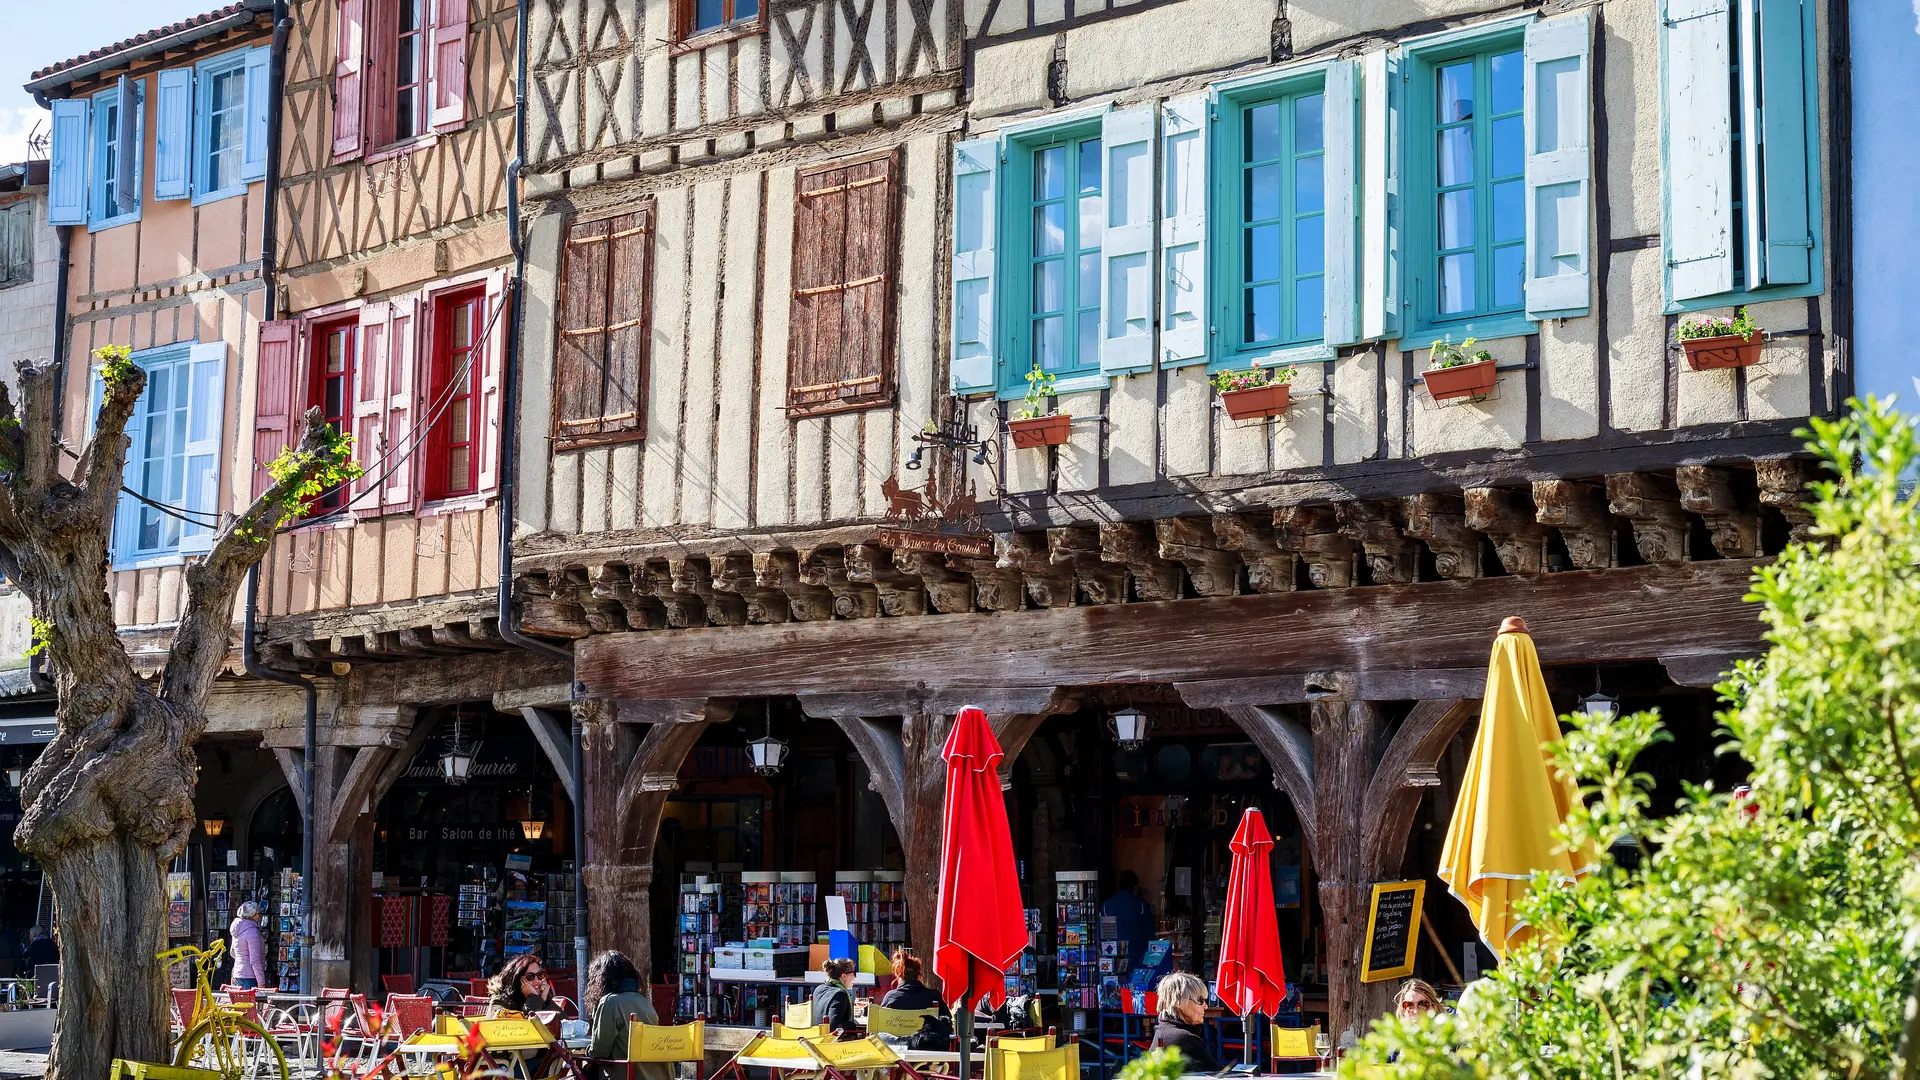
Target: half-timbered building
(793,266)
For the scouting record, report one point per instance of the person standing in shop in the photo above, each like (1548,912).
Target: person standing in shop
(248,947)
(1132,916)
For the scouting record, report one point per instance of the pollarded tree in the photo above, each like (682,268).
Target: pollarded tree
(110,800)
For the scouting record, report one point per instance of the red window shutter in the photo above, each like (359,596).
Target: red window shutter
(370,445)
(349,81)
(580,354)
(274,411)
(489,356)
(402,389)
(449,67)
(623,409)
(840,355)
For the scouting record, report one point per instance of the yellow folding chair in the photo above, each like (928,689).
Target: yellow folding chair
(900,1023)
(780,1056)
(799,1014)
(783,1031)
(1293,1044)
(1003,1045)
(671,1043)
(1062,1063)
(840,1059)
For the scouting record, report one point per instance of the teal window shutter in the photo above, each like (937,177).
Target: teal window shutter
(253,165)
(1780,222)
(1126,245)
(1559,167)
(1380,185)
(67,171)
(1343,167)
(206,373)
(1185,330)
(173,138)
(1697,109)
(976,169)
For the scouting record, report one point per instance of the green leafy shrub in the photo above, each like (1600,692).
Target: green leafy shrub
(1445,354)
(1226,382)
(1741,325)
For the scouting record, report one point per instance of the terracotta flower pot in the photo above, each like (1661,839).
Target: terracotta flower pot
(1256,402)
(1039,431)
(1464,381)
(1724,351)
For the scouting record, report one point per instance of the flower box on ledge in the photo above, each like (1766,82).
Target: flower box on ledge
(1256,402)
(1050,430)
(1460,381)
(1724,351)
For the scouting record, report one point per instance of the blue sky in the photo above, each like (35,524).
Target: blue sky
(49,31)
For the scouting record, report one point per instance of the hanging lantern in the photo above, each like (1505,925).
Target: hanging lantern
(456,764)
(213,825)
(531,829)
(1129,728)
(15,776)
(767,752)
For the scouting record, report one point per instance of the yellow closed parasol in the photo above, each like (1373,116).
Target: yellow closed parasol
(1510,802)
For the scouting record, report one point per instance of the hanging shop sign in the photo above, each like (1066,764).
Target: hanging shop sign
(1393,920)
(508,833)
(922,521)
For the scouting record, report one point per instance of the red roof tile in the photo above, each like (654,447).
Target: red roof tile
(141,39)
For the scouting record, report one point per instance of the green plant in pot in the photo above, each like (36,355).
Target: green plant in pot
(1255,393)
(1718,341)
(1458,371)
(1032,425)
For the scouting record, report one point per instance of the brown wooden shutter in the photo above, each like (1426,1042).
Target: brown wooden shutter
(600,360)
(841,351)
(275,413)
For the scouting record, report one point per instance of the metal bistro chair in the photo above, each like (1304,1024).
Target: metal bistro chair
(396,984)
(1062,1063)
(1291,1045)
(1000,1046)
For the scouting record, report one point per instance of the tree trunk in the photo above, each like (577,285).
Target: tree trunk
(111,1003)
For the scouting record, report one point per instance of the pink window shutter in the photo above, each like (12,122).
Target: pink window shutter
(490,358)
(274,414)
(371,447)
(404,379)
(349,81)
(449,67)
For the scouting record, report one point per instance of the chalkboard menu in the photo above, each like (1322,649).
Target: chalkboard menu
(1393,927)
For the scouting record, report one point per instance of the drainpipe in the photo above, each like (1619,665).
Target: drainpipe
(249,654)
(60,285)
(509,446)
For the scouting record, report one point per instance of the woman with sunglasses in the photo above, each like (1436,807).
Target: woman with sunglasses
(1418,999)
(521,987)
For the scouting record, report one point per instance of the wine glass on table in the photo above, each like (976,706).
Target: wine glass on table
(1323,1046)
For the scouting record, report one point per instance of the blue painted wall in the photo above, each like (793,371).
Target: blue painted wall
(1886,208)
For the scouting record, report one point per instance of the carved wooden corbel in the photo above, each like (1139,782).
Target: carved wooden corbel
(1132,544)
(1508,519)
(1269,570)
(1213,568)
(1440,522)
(1652,503)
(1078,548)
(1048,584)
(781,570)
(949,591)
(1313,533)
(1392,558)
(684,609)
(1579,511)
(735,573)
(827,567)
(543,613)
(1733,526)
(1783,486)
(693,575)
(899,593)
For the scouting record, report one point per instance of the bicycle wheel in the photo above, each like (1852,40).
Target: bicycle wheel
(236,1049)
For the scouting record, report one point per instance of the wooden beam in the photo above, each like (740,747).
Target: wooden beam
(556,741)
(290,767)
(1287,744)
(1393,795)
(343,807)
(1367,684)
(1577,618)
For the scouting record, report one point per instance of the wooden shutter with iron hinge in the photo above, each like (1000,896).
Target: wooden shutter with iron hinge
(845,220)
(600,359)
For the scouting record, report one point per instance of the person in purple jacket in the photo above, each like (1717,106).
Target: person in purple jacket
(248,947)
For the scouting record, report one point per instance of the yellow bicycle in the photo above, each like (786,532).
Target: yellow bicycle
(217,1037)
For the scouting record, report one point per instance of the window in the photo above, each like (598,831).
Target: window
(408,72)
(331,387)
(1740,152)
(16,243)
(600,359)
(1062,209)
(173,455)
(695,17)
(1277,262)
(459,325)
(400,72)
(221,111)
(116,155)
(840,353)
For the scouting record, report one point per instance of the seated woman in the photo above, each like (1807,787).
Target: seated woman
(1183,1007)
(614,997)
(833,1002)
(520,987)
(910,994)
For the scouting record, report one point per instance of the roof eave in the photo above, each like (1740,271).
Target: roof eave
(68,76)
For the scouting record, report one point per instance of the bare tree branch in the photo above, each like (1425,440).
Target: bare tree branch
(105,455)
(13,442)
(39,389)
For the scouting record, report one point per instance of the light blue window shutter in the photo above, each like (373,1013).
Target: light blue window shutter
(1783,233)
(253,163)
(173,140)
(67,171)
(1559,167)
(1126,243)
(1698,112)
(126,189)
(1184,154)
(206,375)
(1380,226)
(976,168)
(1342,174)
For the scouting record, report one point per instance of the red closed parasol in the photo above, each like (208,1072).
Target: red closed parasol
(1251,976)
(977,940)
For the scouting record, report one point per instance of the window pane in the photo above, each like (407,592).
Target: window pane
(1089,337)
(1456,92)
(1092,220)
(1309,308)
(206,401)
(1049,286)
(462,327)
(1508,266)
(1089,167)
(159,389)
(745,9)
(149,529)
(706,14)
(1263,314)
(403,70)
(1309,114)
(1456,156)
(1263,132)
(1509,146)
(1050,229)
(409,15)
(457,417)
(457,471)
(337,352)
(1050,173)
(1456,220)
(1309,245)
(1263,192)
(336,404)
(1456,283)
(1509,211)
(1307,185)
(1089,293)
(1263,253)
(1507,82)
(1047,347)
